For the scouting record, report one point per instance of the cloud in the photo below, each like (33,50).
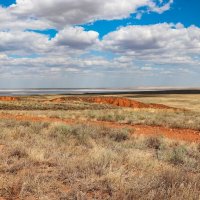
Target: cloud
(131,47)
(160,42)
(72,12)
(160,9)
(76,38)
(69,41)
(132,50)
(21,42)
(9,21)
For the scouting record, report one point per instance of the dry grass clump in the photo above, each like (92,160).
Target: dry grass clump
(154,143)
(178,155)
(55,161)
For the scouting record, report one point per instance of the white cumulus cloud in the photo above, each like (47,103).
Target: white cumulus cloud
(60,13)
(155,42)
(76,38)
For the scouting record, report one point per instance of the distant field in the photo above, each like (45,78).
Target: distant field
(56,147)
(187,101)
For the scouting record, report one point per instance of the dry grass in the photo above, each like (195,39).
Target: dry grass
(185,101)
(54,161)
(84,111)
(172,119)
(30,105)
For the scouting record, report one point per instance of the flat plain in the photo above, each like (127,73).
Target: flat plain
(131,146)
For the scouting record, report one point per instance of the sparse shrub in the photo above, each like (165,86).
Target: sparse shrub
(25,123)
(177,156)
(92,115)
(59,133)
(119,117)
(105,117)
(119,135)
(80,133)
(20,132)
(61,129)
(37,127)
(45,125)
(154,143)
(8,123)
(198,148)
(54,115)
(16,167)
(176,184)
(18,153)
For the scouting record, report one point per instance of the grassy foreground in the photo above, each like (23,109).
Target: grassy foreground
(51,160)
(54,161)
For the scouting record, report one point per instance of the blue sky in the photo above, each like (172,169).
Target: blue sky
(182,11)
(99,43)
(7,3)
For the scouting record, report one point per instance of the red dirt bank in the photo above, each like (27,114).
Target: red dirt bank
(117,101)
(9,99)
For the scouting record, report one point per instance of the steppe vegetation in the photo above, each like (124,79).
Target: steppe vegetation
(55,159)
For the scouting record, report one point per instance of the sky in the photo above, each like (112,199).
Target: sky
(90,44)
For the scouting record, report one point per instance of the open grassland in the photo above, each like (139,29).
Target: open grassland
(169,119)
(103,112)
(55,161)
(85,150)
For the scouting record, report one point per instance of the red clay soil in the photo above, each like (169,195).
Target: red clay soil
(9,99)
(172,133)
(116,101)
